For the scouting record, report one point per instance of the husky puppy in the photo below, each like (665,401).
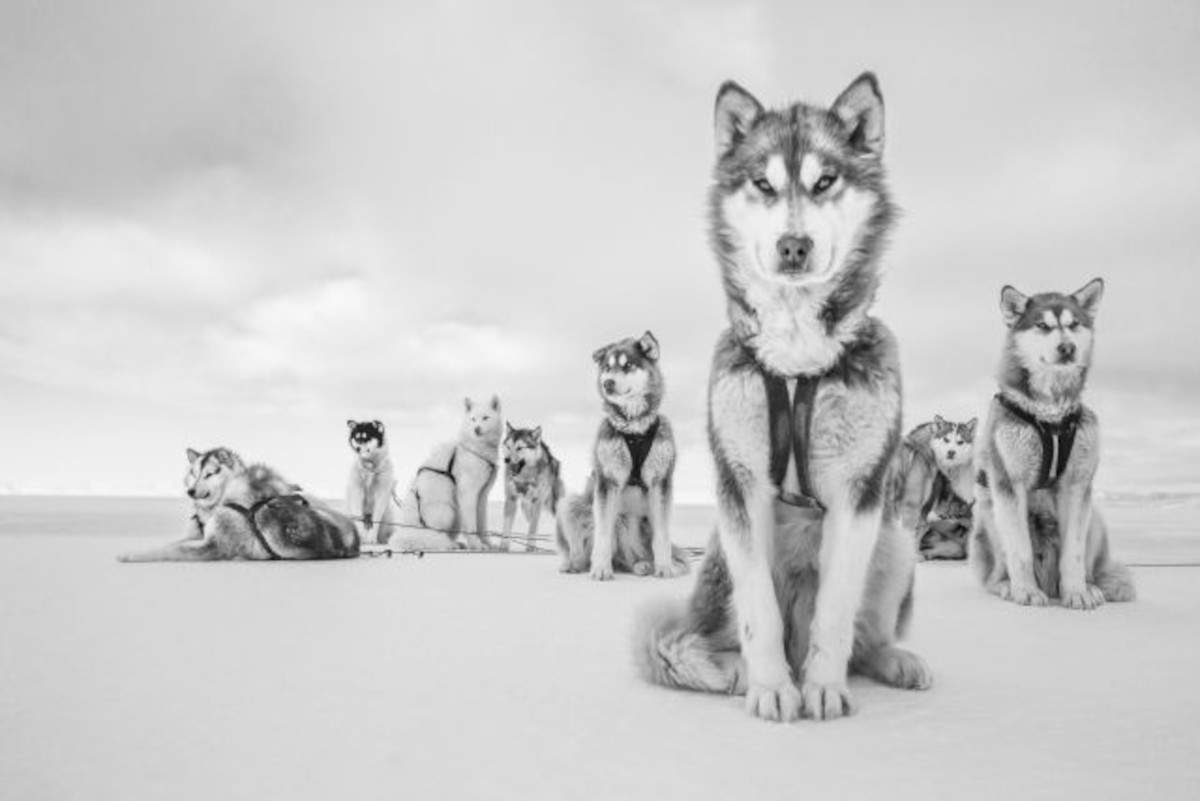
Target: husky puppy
(809,574)
(531,479)
(448,495)
(936,486)
(372,482)
(252,513)
(1037,534)
(620,521)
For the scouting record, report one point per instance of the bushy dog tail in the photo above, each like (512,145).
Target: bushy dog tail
(1115,580)
(669,650)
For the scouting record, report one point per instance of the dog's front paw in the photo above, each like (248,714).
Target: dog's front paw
(826,701)
(1022,595)
(1089,596)
(780,702)
(602,572)
(671,569)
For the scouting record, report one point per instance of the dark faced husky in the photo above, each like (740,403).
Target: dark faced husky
(531,479)
(372,481)
(809,573)
(621,519)
(1037,533)
(936,486)
(252,513)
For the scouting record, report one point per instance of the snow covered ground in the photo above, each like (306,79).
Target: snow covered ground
(494,677)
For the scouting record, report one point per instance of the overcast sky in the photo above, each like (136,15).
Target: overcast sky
(235,225)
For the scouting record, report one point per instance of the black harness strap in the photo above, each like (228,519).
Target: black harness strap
(936,494)
(790,421)
(1057,440)
(639,449)
(446,472)
(249,515)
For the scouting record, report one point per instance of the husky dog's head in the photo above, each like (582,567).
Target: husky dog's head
(628,377)
(799,211)
(952,442)
(366,438)
(522,446)
(208,474)
(482,423)
(1049,345)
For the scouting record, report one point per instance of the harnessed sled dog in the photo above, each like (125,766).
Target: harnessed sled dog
(372,484)
(446,503)
(620,520)
(809,573)
(252,513)
(1037,533)
(936,484)
(532,480)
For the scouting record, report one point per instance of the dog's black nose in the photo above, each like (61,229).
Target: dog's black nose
(949,454)
(192,492)
(610,385)
(1066,350)
(793,250)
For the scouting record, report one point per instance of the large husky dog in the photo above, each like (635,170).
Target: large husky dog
(448,495)
(809,573)
(531,479)
(936,485)
(372,481)
(620,521)
(252,513)
(1037,534)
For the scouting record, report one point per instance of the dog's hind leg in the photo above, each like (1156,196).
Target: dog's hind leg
(1114,579)
(574,534)
(887,594)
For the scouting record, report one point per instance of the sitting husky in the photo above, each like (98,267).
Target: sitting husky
(252,513)
(531,479)
(620,520)
(809,575)
(372,482)
(1037,534)
(449,493)
(937,486)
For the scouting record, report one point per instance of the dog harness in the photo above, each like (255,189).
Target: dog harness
(1057,440)
(248,513)
(446,472)
(790,427)
(639,449)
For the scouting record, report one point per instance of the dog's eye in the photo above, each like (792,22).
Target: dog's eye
(1043,326)
(764,186)
(824,182)
(1074,325)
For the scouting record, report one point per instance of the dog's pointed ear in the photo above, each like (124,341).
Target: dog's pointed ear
(598,356)
(508,429)
(536,434)
(939,422)
(495,403)
(378,424)
(860,108)
(192,455)
(1089,296)
(351,424)
(1012,305)
(970,426)
(648,345)
(735,111)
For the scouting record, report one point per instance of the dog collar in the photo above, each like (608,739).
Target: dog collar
(1057,439)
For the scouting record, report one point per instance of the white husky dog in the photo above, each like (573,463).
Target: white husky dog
(448,495)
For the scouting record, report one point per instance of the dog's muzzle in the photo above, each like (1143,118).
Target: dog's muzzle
(793,253)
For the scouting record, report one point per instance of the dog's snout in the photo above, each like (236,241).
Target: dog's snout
(610,385)
(1066,350)
(950,454)
(191,492)
(793,250)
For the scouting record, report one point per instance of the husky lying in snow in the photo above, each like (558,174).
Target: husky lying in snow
(448,495)
(372,482)
(1037,533)
(531,479)
(936,486)
(620,521)
(252,513)
(809,574)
